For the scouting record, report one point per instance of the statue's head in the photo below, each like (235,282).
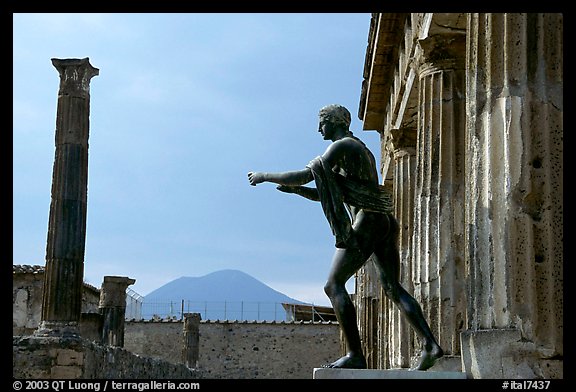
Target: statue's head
(335,114)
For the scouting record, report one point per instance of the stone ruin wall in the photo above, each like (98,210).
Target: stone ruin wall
(226,349)
(154,350)
(240,349)
(44,358)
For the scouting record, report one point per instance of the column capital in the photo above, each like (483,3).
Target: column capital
(75,75)
(113,291)
(403,138)
(442,51)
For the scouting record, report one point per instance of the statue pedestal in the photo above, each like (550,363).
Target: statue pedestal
(380,374)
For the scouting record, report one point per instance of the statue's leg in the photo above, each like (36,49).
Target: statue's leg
(387,261)
(344,264)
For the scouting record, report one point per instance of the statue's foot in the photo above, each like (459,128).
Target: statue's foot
(428,358)
(348,362)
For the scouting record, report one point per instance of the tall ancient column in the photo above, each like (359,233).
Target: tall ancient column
(396,334)
(62,297)
(437,247)
(514,205)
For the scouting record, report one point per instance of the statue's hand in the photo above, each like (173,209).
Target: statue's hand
(286,188)
(255,178)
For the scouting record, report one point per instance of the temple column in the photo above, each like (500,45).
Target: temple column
(437,243)
(398,336)
(62,296)
(513,210)
(367,303)
(113,309)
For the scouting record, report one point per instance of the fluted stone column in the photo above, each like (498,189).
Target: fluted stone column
(514,205)
(112,306)
(396,338)
(191,335)
(437,243)
(368,312)
(404,153)
(62,297)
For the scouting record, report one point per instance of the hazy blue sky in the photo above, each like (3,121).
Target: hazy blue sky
(184,107)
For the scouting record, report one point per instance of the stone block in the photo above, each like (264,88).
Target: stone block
(448,363)
(483,350)
(66,372)
(67,357)
(503,353)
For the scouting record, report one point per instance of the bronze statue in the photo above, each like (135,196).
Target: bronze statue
(359,211)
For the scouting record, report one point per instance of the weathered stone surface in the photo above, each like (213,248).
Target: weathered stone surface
(502,353)
(514,176)
(67,357)
(37,357)
(241,350)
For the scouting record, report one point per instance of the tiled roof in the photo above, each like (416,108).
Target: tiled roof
(27,269)
(39,269)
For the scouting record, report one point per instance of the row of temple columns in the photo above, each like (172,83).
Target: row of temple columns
(428,193)
(478,186)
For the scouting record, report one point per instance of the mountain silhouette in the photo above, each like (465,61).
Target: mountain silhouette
(222,295)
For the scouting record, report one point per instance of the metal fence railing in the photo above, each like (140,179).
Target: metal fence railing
(209,310)
(133,304)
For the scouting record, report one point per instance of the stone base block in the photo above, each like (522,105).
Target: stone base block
(503,353)
(448,363)
(402,374)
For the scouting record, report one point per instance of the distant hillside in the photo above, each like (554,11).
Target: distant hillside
(226,294)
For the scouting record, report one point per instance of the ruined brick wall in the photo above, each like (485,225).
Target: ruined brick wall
(64,358)
(240,350)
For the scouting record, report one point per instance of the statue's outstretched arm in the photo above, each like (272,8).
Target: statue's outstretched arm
(289,178)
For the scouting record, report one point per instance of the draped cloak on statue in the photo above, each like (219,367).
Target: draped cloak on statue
(336,190)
